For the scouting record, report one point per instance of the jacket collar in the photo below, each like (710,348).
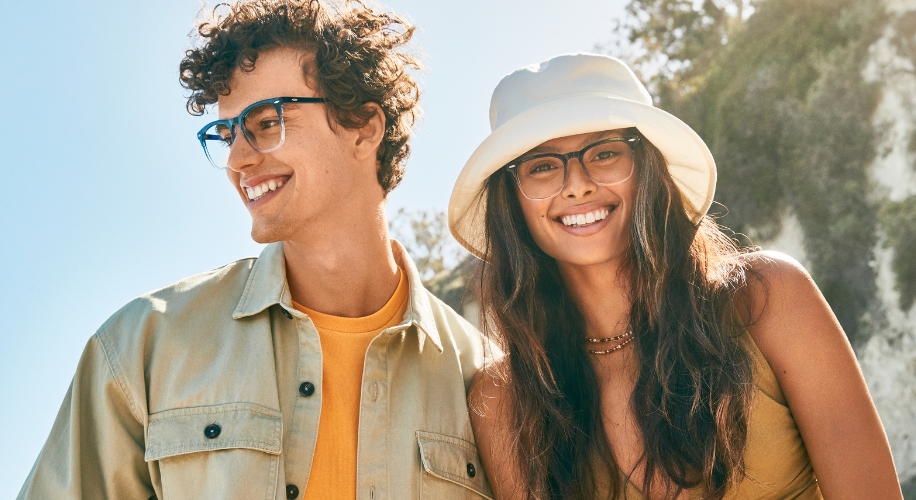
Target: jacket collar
(267,286)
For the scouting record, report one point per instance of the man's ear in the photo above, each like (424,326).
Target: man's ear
(369,136)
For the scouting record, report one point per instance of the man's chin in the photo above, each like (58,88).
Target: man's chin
(265,235)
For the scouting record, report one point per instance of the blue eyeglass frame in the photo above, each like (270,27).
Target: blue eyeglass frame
(512,167)
(277,103)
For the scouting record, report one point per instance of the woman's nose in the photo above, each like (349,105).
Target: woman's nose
(578,183)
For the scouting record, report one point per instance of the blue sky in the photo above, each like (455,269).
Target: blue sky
(107,194)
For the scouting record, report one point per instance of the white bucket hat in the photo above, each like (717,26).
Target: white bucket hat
(568,95)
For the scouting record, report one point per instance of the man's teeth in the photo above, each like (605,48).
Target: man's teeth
(587,218)
(263,188)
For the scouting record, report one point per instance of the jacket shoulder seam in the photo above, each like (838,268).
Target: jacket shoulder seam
(118,376)
(205,275)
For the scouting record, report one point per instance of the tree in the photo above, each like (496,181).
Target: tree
(425,235)
(444,266)
(672,44)
(780,99)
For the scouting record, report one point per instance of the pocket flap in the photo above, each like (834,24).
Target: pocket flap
(454,460)
(203,428)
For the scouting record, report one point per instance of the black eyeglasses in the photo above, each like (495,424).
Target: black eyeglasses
(261,124)
(606,162)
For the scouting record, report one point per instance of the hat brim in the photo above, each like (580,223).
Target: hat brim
(689,160)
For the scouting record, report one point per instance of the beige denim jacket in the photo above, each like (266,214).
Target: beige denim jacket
(196,391)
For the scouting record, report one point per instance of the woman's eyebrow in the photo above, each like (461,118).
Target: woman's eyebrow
(590,138)
(597,136)
(540,149)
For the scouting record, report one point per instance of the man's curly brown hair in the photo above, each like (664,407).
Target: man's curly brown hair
(359,58)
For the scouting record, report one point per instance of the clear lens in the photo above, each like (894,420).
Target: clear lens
(541,177)
(217,140)
(263,127)
(609,163)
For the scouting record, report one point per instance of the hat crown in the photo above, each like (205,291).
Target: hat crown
(564,76)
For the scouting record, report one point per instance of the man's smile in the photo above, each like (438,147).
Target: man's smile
(257,188)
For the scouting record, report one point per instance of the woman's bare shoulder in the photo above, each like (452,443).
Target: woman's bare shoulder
(788,312)
(488,397)
(490,404)
(816,368)
(777,284)
(771,264)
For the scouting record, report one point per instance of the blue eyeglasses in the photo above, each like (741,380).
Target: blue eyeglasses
(261,123)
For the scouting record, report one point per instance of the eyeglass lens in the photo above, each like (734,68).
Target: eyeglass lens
(261,125)
(606,163)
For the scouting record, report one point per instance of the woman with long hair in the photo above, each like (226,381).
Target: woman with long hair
(645,355)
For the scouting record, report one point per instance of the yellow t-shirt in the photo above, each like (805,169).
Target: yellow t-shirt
(344,342)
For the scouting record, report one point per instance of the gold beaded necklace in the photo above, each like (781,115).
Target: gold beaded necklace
(626,337)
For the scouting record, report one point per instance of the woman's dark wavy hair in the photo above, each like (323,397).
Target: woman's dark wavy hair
(359,58)
(695,382)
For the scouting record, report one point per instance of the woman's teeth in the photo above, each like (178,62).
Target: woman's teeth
(263,188)
(586,218)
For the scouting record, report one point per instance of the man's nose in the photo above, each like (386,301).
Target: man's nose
(241,154)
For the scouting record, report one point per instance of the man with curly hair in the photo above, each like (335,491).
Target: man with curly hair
(322,368)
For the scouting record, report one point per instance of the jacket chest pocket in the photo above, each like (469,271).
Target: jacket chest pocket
(451,469)
(229,451)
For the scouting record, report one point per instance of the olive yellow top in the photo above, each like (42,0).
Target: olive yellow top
(776,460)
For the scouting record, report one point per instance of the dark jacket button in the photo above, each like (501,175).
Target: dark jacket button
(307,389)
(212,431)
(292,491)
(472,471)
(286,313)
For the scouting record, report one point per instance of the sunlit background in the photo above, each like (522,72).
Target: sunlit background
(108,195)
(808,106)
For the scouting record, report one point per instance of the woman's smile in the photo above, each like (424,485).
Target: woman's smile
(585,220)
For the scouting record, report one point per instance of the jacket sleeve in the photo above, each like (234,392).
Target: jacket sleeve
(96,446)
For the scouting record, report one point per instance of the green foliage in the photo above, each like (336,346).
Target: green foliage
(425,236)
(899,221)
(828,144)
(675,41)
(786,113)
(452,285)
(444,266)
(905,27)
(909,489)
